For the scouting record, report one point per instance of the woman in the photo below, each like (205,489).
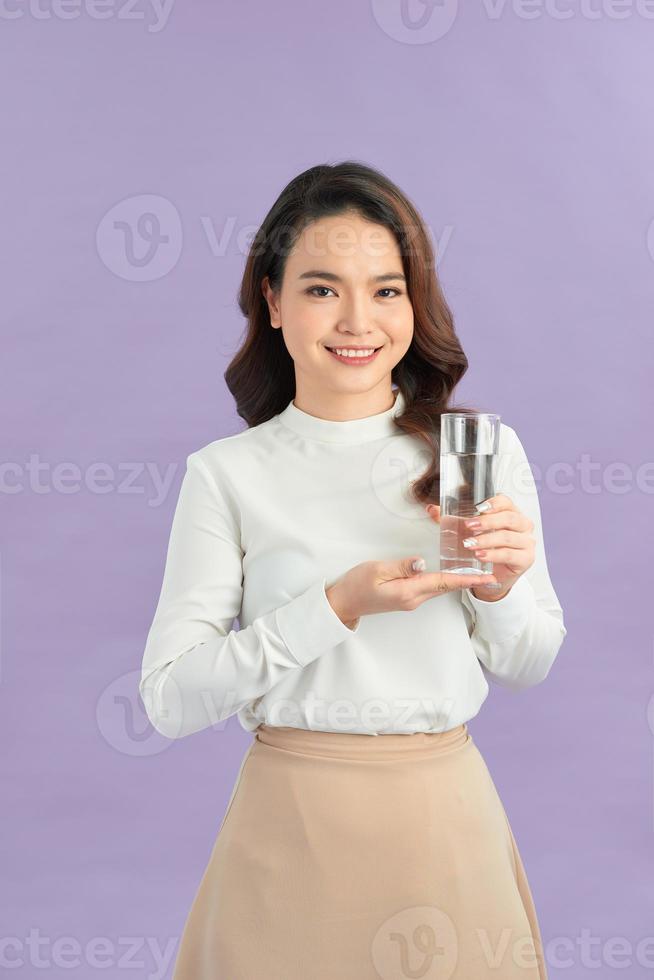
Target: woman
(341,853)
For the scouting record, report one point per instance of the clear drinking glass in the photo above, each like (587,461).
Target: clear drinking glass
(468,459)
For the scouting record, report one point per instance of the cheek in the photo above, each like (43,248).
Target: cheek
(304,330)
(400,331)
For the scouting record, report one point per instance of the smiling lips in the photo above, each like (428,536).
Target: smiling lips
(354,355)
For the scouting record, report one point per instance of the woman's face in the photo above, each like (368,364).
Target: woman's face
(343,286)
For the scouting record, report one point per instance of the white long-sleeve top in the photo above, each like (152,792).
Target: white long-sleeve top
(265,521)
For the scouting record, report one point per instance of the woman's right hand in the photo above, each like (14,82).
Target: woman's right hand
(387,586)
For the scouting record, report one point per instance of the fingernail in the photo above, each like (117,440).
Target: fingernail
(419,565)
(483,506)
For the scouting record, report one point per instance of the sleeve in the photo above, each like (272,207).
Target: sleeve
(196,669)
(517,638)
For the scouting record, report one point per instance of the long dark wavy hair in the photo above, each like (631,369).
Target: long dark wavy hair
(261,375)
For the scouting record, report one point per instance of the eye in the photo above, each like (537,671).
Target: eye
(385,289)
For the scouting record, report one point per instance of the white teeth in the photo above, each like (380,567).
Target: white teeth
(353,353)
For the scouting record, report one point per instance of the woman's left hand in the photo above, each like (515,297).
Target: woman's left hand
(503,536)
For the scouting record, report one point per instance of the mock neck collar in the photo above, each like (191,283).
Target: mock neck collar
(350,431)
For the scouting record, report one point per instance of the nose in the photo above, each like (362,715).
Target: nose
(355,319)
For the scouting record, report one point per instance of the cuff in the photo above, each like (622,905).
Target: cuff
(309,625)
(506,617)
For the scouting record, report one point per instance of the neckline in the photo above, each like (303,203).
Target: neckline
(350,431)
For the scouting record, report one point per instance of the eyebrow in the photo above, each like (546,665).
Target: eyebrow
(332,277)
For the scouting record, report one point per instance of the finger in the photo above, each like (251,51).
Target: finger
(514,557)
(512,520)
(496,539)
(434,583)
(491,505)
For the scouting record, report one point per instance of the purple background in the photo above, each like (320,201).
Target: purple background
(526,143)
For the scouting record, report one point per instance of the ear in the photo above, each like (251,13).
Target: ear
(272,301)
(434,511)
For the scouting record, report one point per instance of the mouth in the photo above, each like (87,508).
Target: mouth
(355,358)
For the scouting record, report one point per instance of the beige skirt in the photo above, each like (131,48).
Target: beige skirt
(360,857)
